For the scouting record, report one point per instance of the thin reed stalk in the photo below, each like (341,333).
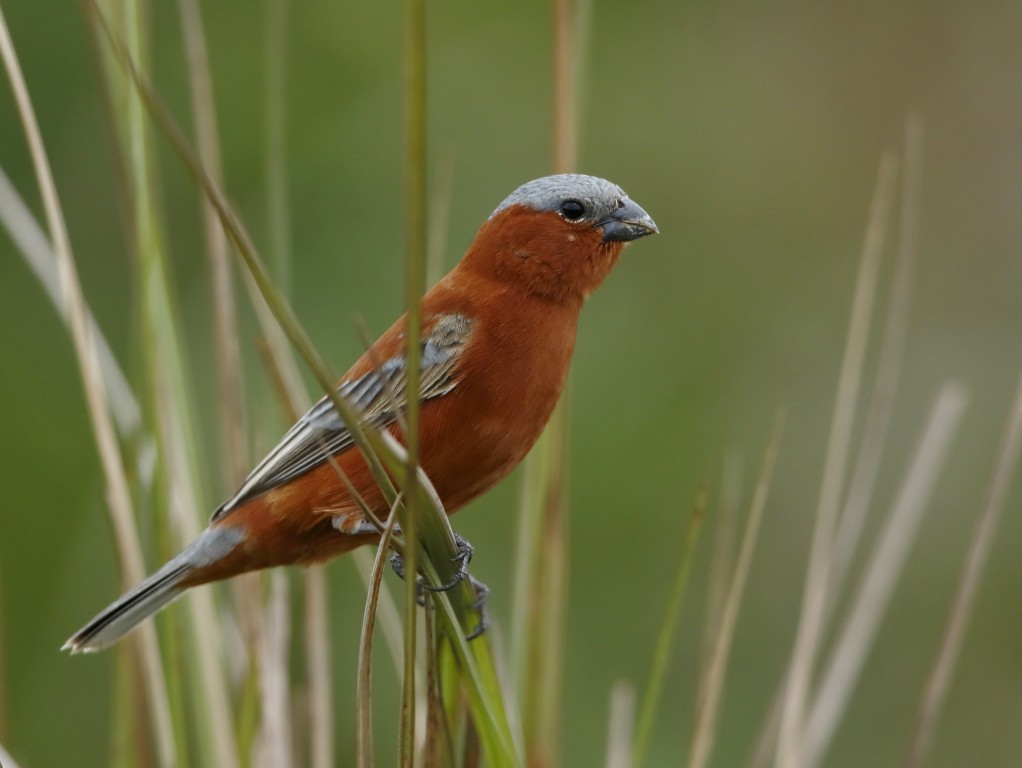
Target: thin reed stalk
(415,260)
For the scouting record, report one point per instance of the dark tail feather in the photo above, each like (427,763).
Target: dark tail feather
(152,594)
(128,610)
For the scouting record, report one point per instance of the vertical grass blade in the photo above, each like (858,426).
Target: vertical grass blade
(816,589)
(415,260)
(118,495)
(881,575)
(939,680)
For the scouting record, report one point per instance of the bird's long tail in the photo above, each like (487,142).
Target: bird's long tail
(154,593)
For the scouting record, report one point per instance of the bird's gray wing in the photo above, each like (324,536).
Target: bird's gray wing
(379,395)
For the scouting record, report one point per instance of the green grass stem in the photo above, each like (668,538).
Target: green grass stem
(415,259)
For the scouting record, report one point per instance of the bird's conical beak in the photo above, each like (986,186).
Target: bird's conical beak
(629,222)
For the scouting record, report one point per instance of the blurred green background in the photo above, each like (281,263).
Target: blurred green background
(752,133)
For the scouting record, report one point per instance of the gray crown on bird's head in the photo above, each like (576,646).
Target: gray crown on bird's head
(550,192)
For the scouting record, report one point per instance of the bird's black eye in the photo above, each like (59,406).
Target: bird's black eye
(573,210)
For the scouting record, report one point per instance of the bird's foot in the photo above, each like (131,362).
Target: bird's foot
(463,557)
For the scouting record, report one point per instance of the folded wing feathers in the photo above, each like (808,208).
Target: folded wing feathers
(379,395)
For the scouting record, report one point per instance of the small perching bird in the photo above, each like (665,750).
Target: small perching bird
(497,337)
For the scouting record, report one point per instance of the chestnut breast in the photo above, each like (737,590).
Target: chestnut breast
(509,379)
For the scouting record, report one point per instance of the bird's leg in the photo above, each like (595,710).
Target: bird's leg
(397,562)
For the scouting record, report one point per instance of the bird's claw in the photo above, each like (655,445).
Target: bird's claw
(462,557)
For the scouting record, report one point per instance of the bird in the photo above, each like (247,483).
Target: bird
(497,336)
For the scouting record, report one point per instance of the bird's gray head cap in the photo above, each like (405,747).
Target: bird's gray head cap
(549,192)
